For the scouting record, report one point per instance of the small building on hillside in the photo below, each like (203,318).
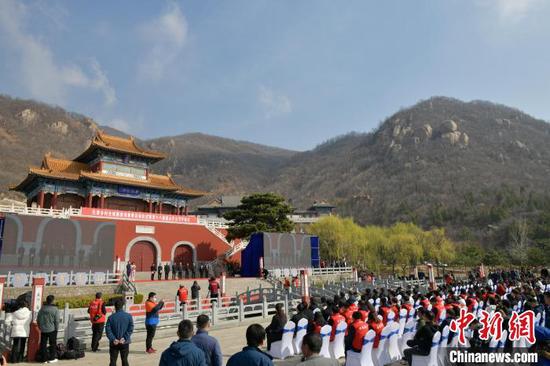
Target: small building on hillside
(218,206)
(222,204)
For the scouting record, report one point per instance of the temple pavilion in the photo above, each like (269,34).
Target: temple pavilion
(112,173)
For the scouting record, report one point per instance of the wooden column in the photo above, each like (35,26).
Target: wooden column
(41,199)
(185,210)
(150,206)
(89,200)
(102,202)
(54,200)
(160,207)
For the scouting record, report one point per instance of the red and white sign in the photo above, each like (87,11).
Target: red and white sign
(138,216)
(38,284)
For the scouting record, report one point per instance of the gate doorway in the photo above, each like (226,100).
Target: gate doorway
(184,254)
(143,254)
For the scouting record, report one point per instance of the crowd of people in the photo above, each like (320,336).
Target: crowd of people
(172,271)
(502,292)
(358,310)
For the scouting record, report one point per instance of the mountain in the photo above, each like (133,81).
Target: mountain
(29,129)
(218,164)
(472,167)
(469,166)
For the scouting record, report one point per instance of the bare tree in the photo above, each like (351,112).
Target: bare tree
(519,236)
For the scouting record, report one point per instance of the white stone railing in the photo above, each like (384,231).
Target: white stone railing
(214,222)
(35,211)
(297,219)
(21,279)
(285,272)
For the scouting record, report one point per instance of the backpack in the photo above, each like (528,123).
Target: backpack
(73,343)
(60,351)
(75,349)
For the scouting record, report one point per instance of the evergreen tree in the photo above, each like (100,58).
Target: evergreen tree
(259,212)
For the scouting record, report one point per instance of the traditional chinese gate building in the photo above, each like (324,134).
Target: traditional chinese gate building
(111,182)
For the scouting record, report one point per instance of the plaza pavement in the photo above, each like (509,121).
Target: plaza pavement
(167,289)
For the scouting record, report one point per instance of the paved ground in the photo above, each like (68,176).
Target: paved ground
(167,289)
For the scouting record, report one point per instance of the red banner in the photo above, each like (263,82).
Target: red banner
(138,216)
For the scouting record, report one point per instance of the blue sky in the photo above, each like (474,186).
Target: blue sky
(285,73)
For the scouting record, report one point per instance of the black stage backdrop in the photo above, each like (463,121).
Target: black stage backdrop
(33,243)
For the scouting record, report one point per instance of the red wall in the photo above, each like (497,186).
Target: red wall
(207,244)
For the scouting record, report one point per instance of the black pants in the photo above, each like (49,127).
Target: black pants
(123,349)
(173,275)
(18,349)
(273,336)
(97,333)
(46,338)
(152,276)
(151,329)
(166,274)
(159,276)
(409,352)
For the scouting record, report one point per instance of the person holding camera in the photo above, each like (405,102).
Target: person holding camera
(97,312)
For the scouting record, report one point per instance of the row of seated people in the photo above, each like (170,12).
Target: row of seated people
(421,316)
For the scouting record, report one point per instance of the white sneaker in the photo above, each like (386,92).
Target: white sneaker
(53,361)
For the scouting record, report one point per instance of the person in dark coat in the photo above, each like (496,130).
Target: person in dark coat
(119,328)
(183,352)
(299,313)
(159,272)
(421,344)
(166,271)
(174,270)
(195,288)
(274,331)
(153,271)
(251,355)
(208,344)
(48,322)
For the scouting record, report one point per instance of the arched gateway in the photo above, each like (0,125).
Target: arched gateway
(143,251)
(184,253)
(143,255)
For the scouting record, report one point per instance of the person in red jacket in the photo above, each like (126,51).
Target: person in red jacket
(501,289)
(424,302)
(318,322)
(440,307)
(364,310)
(213,288)
(408,306)
(335,319)
(395,306)
(375,323)
(347,312)
(97,312)
(183,293)
(384,310)
(287,284)
(357,330)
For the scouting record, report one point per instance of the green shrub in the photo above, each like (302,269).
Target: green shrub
(83,301)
